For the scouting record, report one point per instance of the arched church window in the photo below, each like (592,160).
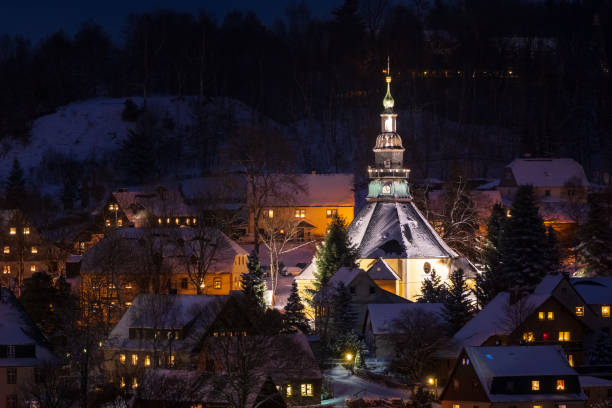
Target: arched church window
(427,267)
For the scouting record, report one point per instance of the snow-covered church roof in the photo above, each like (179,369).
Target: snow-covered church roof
(396,230)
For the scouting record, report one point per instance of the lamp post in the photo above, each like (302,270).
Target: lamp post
(432,382)
(350,361)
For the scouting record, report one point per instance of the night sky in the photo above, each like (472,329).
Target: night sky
(38,18)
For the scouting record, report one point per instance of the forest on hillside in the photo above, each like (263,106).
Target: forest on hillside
(537,71)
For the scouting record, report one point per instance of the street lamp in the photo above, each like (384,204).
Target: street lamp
(433,382)
(348,357)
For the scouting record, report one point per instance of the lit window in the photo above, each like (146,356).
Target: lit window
(134,359)
(167,220)
(300,213)
(570,359)
(216,334)
(111,207)
(269,213)
(550,315)
(564,336)
(159,221)
(465,361)
(120,222)
(128,285)
(605,311)
(122,382)
(34,250)
(128,303)
(535,385)
(306,390)
(171,360)
(528,337)
(194,221)
(32,268)
(26,230)
(217,283)
(289,390)
(331,212)
(560,385)
(456,406)
(579,310)
(6,269)
(135,382)
(7,249)
(541,315)
(537,406)
(122,358)
(107,223)
(188,221)
(13,231)
(147,361)
(561,406)
(176,221)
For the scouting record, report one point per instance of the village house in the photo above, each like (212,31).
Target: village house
(23,351)
(131,261)
(517,376)
(598,391)
(597,295)
(25,251)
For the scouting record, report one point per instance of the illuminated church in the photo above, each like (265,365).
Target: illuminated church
(396,245)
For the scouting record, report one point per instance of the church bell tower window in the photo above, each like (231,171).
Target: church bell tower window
(386,188)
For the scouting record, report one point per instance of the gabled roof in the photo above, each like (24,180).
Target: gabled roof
(344,275)
(594,291)
(159,202)
(382,271)
(520,361)
(382,316)
(396,230)
(542,172)
(16,328)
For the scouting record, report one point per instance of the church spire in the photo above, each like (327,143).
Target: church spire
(388,101)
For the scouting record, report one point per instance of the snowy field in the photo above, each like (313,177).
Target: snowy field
(346,386)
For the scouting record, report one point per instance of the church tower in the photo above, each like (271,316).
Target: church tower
(388,177)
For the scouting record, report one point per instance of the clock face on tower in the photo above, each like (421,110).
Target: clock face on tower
(386,188)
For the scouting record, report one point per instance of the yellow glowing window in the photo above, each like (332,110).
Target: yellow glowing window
(537,406)
(528,337)
(7,249)
(6,269)
(269,213)
(188,221)
(147,361)
(564,336)
(171,359)
(550,315)
(122,358)
(134,359)
(111,207)
(300,213)
(306,390)
(34,250)
(605,311)
(32,268)
(26,230)
(159,221)
(289,390)
(128,303)
(217,283)
(135,382)
(176,221)
(194,221)
(331,212)
(579,310)
(120,222)
(167,220)
(456,406)
(107,223)
(13,231)
(560,385)
(541,315)
(535,385)
(122,382)
(570,359)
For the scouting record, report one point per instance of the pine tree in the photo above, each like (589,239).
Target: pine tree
(523,246)
(553,251)
(254,284)
(432,289)
(15,186)
(488,283)
(294,318)
(335,251)
(343,315)
(457,309)
(602,350)
(595,248)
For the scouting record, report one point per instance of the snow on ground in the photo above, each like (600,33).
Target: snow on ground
(346,385)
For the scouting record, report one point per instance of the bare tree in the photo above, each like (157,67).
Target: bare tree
(514,319)
(200,249)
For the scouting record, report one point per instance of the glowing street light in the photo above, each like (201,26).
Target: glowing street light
(348,357)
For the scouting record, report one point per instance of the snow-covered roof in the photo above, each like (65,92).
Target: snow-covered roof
(520,361)
(158,201)
(382,271)
(548,284)
(16,328)
(382,316)
(314,190)
(489,185)
(587,381)
(594,291)
(396,230)
(344,275)
(542,172)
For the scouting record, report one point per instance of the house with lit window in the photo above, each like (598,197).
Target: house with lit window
(312,200)
(597,294)
(24,251)
(553,314)
(23,349)
(513,376)
(157,207)
(130,261)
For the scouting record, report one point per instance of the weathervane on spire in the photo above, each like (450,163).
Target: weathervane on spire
(388,101)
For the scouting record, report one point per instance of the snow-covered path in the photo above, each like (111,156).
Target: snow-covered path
(346,385)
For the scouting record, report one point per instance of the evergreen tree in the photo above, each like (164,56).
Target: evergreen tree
(432,289)
(335,251)
(15,186)
(553,251)
(489,282)
(595,248)
(457,309)
(294,317)
(602,350)
(523,249)
(343,315)
(254,283)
